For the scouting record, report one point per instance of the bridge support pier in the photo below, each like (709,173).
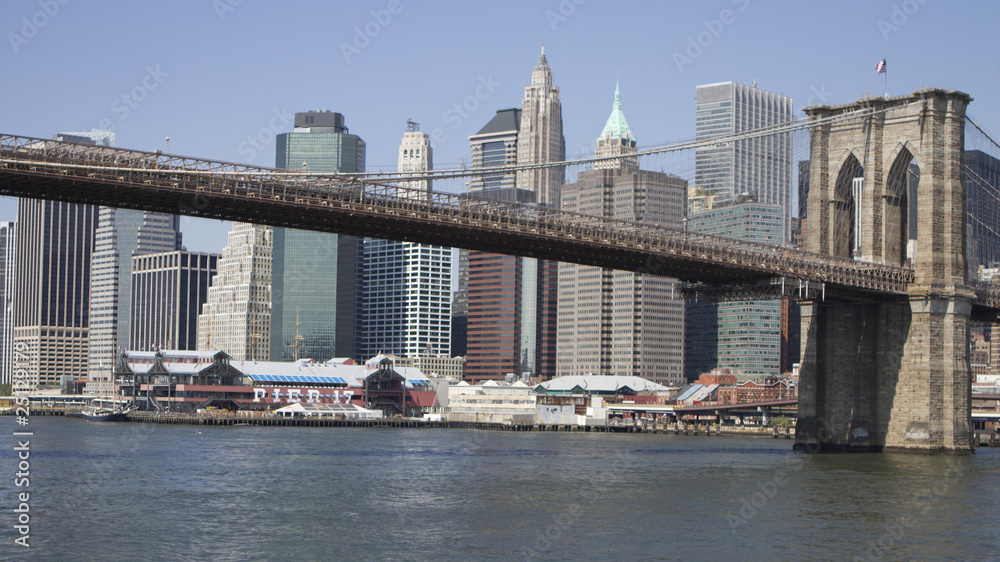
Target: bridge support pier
(848,374)
(885,377)
(933,394)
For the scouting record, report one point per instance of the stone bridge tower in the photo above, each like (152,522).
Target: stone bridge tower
(889,375)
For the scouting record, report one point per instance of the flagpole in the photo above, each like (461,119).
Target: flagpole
(881,68)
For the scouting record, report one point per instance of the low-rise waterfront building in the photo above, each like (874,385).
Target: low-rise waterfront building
(586,400)
(188,381)
(492,402)
(440,366)
(754,391)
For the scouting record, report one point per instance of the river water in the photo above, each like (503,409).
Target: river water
(113,491)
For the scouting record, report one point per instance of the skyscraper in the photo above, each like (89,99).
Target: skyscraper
(621,322)
(616,140)
(752,183)
(121,234)
(982,181)
(7,277)
(168,291)
(493,146)
(762,165)
(415,155)
(315,274)
(406,293)
(540,138)
(51,305)
(236,318)
(512,317)
(743,335)
(54,245)
(511,326)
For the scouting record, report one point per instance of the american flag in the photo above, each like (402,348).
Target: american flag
(880,67)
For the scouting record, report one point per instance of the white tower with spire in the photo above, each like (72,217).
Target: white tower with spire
(541,136)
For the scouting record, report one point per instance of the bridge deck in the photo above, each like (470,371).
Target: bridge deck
(47,169)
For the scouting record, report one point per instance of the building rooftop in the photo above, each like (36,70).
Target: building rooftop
(603,384)
(616,127)
(504,121)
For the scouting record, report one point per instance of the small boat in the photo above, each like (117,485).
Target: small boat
(104,414)
(106,409)
(98,412)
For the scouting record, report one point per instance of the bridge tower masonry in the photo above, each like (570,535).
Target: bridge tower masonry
(889,375)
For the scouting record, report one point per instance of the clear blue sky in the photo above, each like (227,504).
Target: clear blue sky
(220,79)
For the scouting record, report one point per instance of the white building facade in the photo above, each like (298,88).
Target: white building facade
(237,317)
(121,234)
(406,288)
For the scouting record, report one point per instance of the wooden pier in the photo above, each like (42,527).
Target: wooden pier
(260,419)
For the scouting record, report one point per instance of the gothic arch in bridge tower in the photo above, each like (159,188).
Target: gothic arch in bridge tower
(892,374)
(895,231)
(844,206)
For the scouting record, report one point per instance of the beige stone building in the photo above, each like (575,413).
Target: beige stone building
(237,317)
(621,322)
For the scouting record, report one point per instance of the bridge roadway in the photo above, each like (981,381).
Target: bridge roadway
(64,171)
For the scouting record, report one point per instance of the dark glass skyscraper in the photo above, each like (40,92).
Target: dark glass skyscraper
(315,274)
(168,290)
(740,335)
(982,180)
(51,318)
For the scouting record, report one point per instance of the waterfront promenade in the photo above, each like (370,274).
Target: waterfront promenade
(266,419)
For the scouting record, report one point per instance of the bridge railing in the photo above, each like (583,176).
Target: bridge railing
(350,193)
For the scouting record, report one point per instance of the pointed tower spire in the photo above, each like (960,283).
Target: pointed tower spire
(542,75)
(616,139)
(540,138)
(617,127)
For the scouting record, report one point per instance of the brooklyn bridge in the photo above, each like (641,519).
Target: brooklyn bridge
(885,347)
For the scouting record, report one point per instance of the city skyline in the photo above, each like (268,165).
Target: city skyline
(232,114)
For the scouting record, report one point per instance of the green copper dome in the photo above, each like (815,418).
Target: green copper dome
(617,127)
